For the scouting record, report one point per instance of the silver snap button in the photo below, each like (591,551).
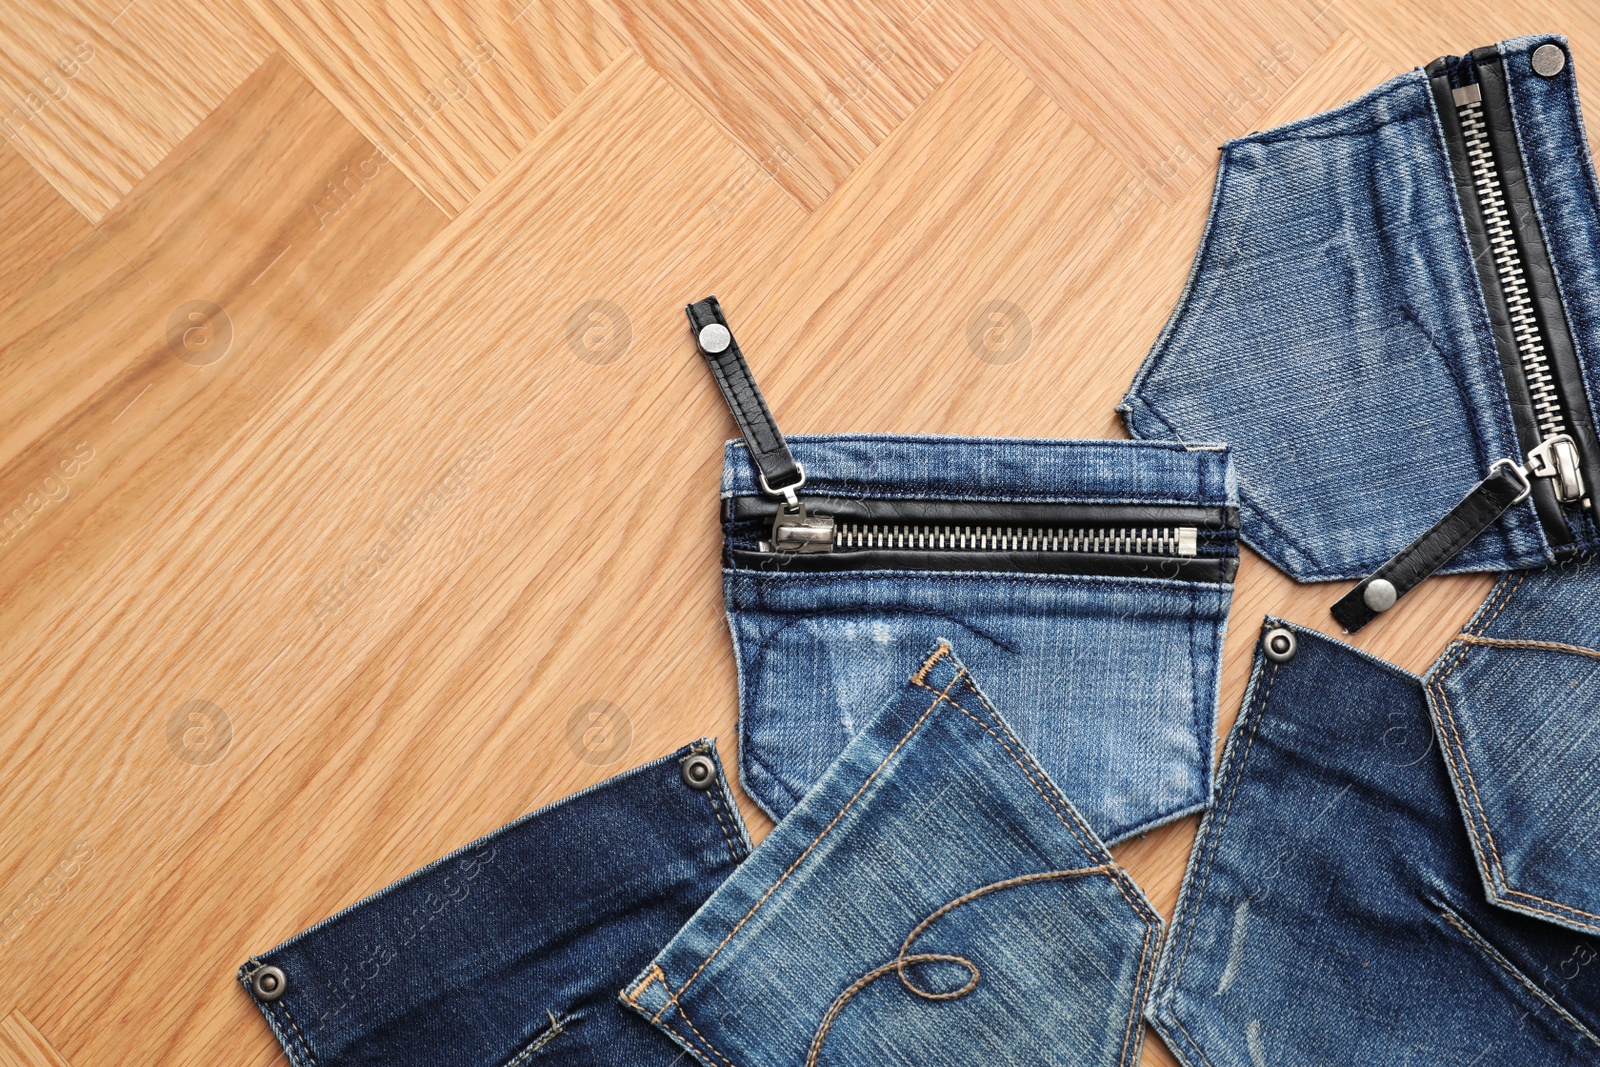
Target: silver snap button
(715,338)
(1280,645)
(699,772)
(269,983)
(1549,60)
(1379,595)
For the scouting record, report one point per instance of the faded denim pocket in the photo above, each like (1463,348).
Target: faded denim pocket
(1513,701)
(1334,333)
(1088,581)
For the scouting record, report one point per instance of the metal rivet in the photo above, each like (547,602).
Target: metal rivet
(1379,595)
(269,983)
(1549,60)
(1280,645)
(699,772)
(715,338)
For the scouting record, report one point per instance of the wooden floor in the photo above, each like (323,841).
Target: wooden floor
(365,467)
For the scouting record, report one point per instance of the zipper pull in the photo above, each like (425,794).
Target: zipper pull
(1506,485)
(776,468)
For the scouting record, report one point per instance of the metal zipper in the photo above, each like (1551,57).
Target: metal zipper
(793,530)
(1556,455)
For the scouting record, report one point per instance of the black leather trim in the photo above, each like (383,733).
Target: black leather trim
(1198,569)
(1485,503)
(768,450)
(986,513)
(1551,314)
(1494,297)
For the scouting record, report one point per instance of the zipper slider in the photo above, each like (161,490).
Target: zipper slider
(1557,457)
(795,531)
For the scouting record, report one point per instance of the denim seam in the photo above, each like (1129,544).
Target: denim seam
(751,757)
(1215,844)
(306,1045)
(801,578)
(1548,646)
(1112,871)
(1495,881)
(1494,954)
(1290,131)
(556,1028)
(944,650)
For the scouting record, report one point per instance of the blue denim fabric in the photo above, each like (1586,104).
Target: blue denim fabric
(509,952)
(1129,739)
(1334,330)
(1332,912)
(1514,704)
(933,901)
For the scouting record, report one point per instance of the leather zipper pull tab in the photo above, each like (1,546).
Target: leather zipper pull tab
(776,468)
(1506,485)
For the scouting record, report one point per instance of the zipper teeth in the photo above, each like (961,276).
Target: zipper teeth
(1508,266)
(1139,541)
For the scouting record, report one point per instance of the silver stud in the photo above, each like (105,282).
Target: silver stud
(1280,645)
(269,984)
(699,772)
(1379,595)
(1549,60)
(714,338)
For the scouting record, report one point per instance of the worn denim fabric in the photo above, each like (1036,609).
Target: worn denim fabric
(1334,329)
(509,952)
(1514,703)
(935,901)
(1333,913)
(1129,739)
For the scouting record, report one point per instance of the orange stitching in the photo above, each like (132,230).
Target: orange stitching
(901,959)
(1552,646)
(927,665)
(825,831)
(1506,965)
(1216,838)
(1459,758)
(1505,590)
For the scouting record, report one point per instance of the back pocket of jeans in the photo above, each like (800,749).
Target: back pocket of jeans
(1514,708)
(1097,626)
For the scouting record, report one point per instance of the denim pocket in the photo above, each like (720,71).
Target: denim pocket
(1116,583)
(934,900)
(1334,333)
(1513,705)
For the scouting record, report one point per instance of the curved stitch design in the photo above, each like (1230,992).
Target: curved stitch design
(901,961)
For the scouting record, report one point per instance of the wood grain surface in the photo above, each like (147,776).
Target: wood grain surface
(365,469)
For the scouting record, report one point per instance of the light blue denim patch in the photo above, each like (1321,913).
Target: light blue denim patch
(1109,678)
(1334,329)
(934,900)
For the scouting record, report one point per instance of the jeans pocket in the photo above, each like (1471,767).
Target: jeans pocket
(1118,586)
(1333,332)
(1513,705)
(934,900)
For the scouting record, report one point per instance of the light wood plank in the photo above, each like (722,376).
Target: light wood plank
(808,90)
(95,97)
(37,226)
(22,1045)
(450,91)
(1162,84)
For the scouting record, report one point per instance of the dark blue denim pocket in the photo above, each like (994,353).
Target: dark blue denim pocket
(1104,649)
(509,952)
